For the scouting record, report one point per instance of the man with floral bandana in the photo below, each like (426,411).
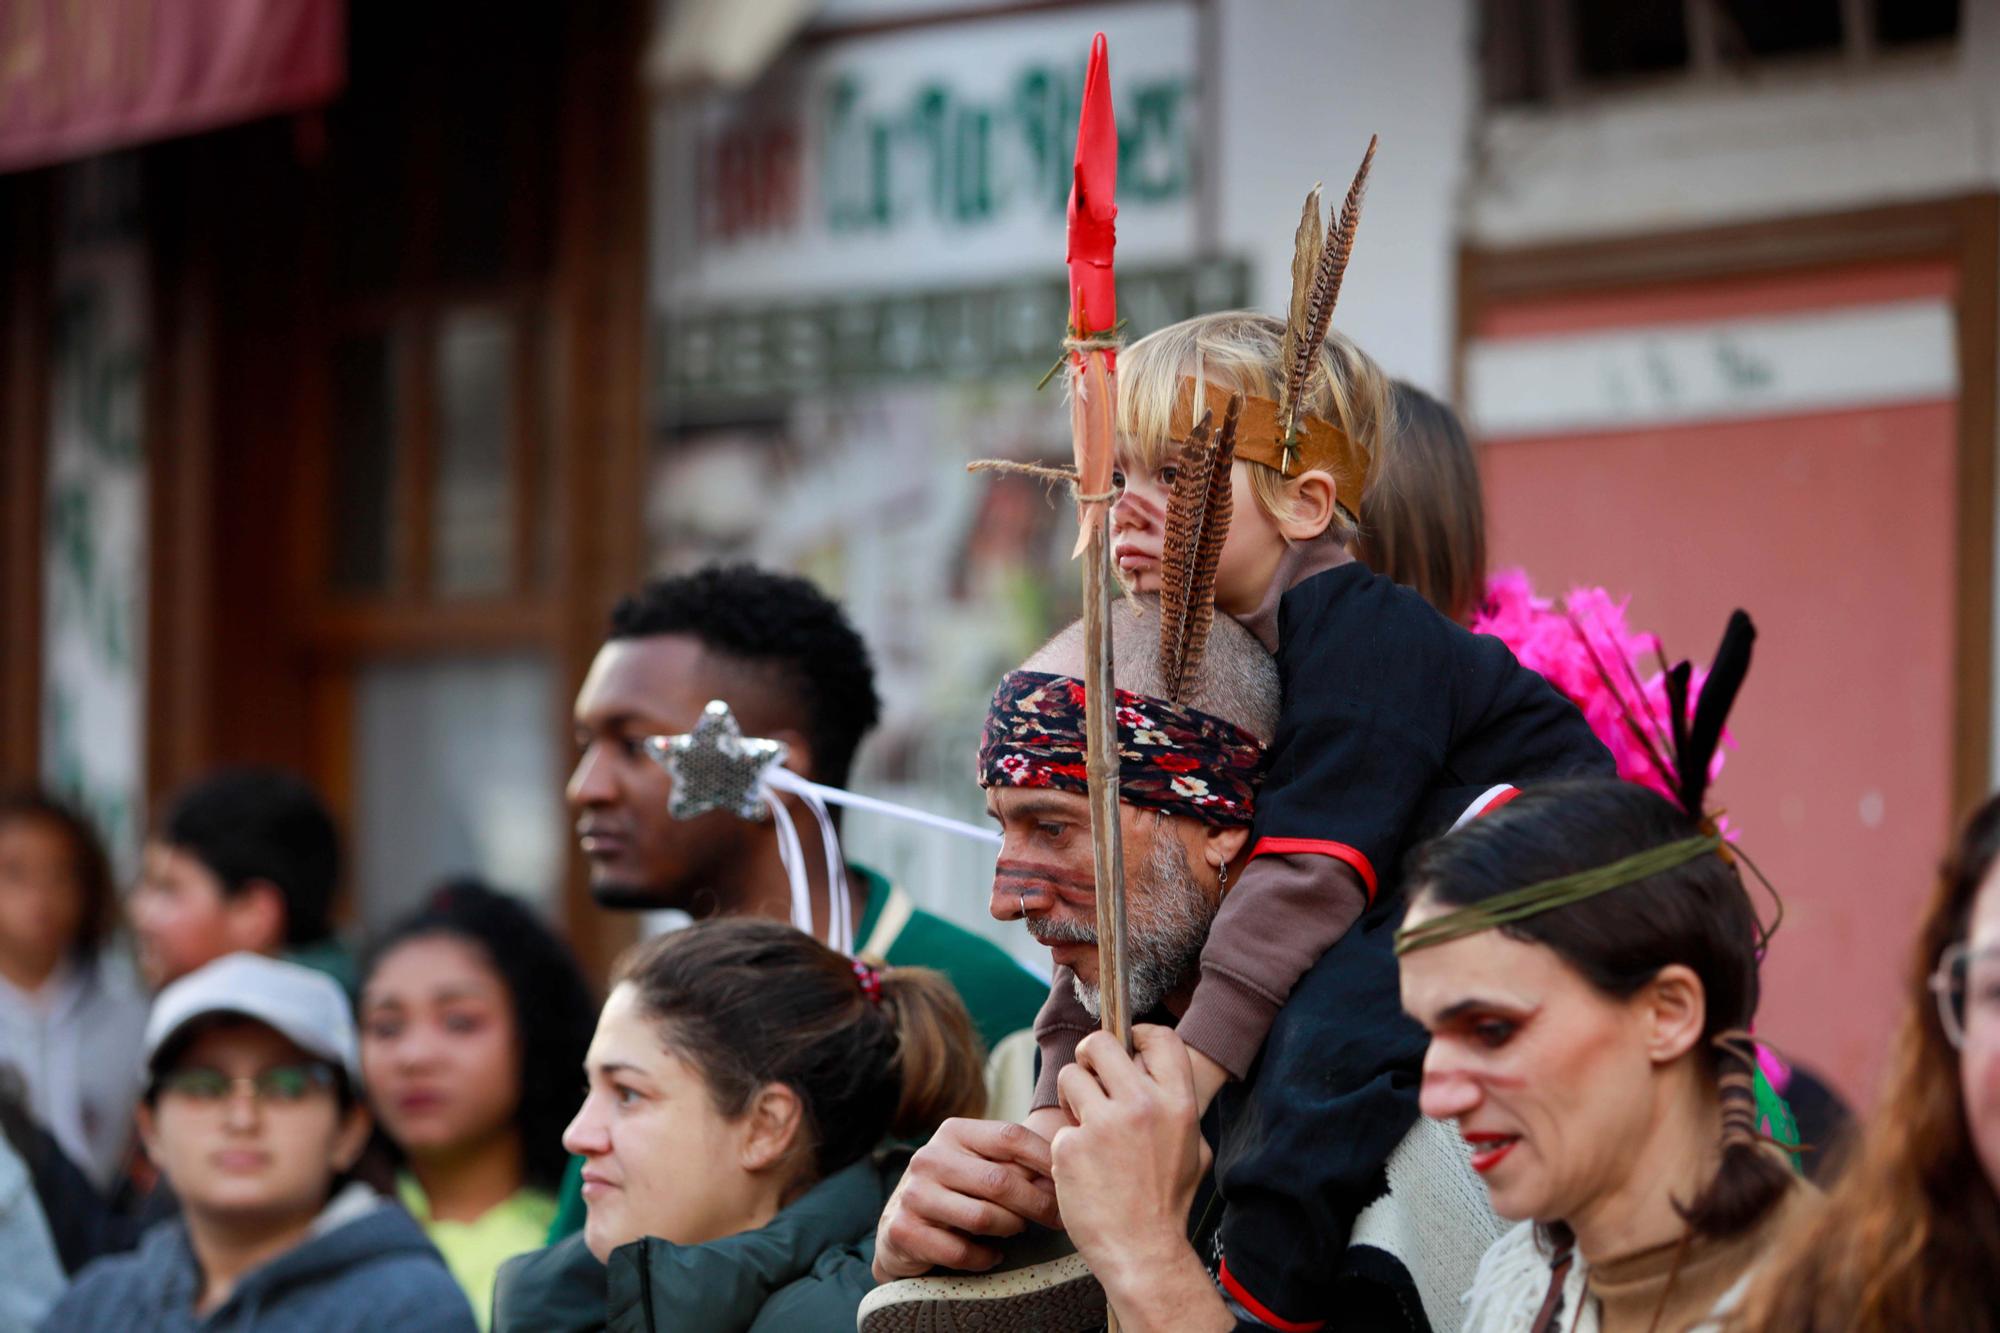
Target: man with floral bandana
(1188,779)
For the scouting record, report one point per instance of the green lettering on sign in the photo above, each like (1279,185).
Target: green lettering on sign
(965,161)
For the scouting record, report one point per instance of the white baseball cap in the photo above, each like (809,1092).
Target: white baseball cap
(306,1007)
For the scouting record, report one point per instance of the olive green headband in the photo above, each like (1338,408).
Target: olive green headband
(1518,904)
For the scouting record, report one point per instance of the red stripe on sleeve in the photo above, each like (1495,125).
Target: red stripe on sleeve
(1255,1307)
(1339,851)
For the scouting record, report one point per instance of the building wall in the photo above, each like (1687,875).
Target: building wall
(1843,788)
(1304,83)
(1784,144)
(1816,139)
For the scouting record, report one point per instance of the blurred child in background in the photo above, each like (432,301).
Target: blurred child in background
(71,1013)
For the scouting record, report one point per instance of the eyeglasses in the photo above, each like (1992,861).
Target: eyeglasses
(1967,987)
(280,1085)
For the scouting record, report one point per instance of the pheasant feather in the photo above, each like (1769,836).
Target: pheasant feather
(1292,352)
(1198,511)
(1332,268)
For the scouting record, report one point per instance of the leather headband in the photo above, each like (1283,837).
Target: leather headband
(1320,444)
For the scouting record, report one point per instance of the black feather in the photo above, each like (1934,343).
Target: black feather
(1677,678)
(1711,711)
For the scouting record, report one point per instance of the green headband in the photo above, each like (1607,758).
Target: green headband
(1519,904)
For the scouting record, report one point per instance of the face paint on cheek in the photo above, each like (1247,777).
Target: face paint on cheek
(1042,886)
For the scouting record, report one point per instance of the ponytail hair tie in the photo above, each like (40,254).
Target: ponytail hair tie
(869,977)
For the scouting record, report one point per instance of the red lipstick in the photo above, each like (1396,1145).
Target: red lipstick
(1489,1149)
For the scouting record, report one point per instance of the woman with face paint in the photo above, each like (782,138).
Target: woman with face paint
(1585,960)
(1910,1236)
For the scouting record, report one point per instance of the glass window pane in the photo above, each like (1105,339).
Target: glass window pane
(1511,45)
(1762,28)
(364,463)
(1636,37)
(459,773)
(472,523)
(1906,22)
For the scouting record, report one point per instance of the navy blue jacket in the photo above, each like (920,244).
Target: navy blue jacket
(374,1271)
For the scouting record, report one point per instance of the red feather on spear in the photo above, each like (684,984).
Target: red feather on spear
(1093,299)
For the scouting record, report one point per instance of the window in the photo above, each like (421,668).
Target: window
(1544,51)
(438,473)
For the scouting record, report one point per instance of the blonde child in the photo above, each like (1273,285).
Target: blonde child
(1395,722)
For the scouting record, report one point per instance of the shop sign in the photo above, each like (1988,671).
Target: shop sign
(938,154)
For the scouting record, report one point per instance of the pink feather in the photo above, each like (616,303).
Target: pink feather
(1546,639)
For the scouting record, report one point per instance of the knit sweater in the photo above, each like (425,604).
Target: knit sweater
(1689,1292)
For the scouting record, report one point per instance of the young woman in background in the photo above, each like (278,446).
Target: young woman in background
(474,1017)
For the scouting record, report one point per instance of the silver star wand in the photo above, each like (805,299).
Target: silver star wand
(717,767)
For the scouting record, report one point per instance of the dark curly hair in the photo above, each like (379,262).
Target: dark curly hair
(249,824)
(554,1011)
(785,628)
(91,866)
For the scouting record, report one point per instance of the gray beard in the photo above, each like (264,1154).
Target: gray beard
(1163,938)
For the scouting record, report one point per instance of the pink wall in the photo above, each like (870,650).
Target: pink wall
(1836,532)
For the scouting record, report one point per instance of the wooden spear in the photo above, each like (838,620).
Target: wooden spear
(1093,340)
(1093,337)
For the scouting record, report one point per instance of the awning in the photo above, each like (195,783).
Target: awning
(78,77)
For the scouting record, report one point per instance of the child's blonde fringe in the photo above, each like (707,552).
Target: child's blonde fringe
(1237,351)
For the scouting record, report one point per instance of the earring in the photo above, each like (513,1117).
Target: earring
(1222,875)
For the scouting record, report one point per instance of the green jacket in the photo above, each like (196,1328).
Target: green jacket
(806,1270)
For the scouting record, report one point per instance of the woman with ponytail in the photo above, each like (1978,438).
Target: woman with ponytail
(741,1089)
(1585,959)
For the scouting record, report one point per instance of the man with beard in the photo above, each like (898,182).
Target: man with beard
(1392,1220)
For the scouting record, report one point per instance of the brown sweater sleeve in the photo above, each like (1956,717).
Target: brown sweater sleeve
(1062,1023)
(1287,910)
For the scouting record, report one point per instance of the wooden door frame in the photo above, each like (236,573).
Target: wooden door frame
(1964,230)
(26,274)
(598,333)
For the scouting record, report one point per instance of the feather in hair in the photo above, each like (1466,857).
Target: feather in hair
(1339,248)
(1586,650)
(1293,354)
(1186,508)
(1198,512)
(1718,694)
(1319,262)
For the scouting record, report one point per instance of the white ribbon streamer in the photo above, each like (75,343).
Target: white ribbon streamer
(790,781)
(793,855)
(716,767)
